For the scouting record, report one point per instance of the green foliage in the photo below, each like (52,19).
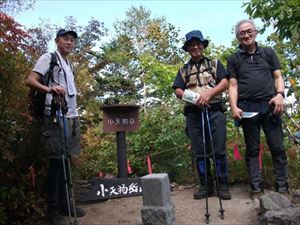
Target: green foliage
(137,66)
(14,6)
(284,17)
(17,198)
(39,38)
(236,168)
(19,134)
(98,153)
(141,44)
(151,35)
(159,76)
(162,137)
(294,168)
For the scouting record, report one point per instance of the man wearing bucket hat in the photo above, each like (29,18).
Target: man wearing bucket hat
(61,83)
(205,79)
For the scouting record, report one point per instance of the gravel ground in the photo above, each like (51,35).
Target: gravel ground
(240,210)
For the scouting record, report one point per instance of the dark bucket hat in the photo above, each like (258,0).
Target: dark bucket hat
(194,34)
(62,32)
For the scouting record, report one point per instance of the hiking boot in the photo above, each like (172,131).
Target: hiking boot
(224,193)
(55,218)
(79,211)
(200,192)
(282,189)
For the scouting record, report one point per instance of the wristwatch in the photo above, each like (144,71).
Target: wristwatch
(281,92)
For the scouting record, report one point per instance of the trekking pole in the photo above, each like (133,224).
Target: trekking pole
(291,119)
(69,175)
(66,160)
(214,163)
(207,215)
(295,140)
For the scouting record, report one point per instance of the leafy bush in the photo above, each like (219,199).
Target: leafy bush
(162,137)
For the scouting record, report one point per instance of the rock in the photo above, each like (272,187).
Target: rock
(273,201)
(278,209)
(154,215)
(287,216)
(181,188)
(296,197)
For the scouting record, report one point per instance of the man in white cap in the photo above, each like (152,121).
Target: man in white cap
(61,83)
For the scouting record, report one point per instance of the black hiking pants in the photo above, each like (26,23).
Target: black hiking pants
(272,127)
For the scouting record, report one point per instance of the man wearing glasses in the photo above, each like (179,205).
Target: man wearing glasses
(256,85)
(208,79)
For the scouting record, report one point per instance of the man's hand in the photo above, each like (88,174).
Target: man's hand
(236,113)
(57,89)
(34,81)
(203,99)
(278,102)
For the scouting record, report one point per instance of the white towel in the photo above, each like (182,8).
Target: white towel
(71,89)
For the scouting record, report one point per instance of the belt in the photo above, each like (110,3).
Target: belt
(71,118)
(213,107)
(254,99)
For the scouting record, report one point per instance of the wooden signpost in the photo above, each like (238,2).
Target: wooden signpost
(119,118)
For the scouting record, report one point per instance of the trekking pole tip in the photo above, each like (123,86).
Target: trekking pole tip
(207,215)
(222,213)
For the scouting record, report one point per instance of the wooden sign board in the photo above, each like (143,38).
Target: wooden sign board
(106,188)
(120,118)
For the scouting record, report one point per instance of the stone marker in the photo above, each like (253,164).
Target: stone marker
(158,208)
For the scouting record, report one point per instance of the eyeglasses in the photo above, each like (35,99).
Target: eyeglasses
(244,32)
(194,44)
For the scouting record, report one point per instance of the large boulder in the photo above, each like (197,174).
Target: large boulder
(278,209)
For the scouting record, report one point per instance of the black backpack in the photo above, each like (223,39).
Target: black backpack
(37,99)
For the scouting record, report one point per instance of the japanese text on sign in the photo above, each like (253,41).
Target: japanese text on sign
(118,190)
(121,121)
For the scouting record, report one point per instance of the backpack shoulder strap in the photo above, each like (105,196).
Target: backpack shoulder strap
(186,72)
(211,66)
(53,62)
(214,64)
(265,55)
(237,61)
(207,63)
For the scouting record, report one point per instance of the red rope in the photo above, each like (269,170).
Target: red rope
(129,170)
(149,164)
(236,153)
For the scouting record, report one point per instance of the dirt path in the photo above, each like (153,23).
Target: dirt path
(240,210)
